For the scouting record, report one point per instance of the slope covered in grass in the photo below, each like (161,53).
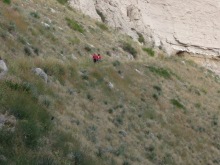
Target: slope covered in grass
(130,108)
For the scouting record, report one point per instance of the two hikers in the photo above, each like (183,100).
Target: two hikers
(96,57)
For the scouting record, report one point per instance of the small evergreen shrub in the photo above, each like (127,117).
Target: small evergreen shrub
(63,2)
(88,49)
(102,26)
(35,15)
(177,104)
(128,48)
(160,71)
(149,51)
(75,25)
(27,51)
(140,38)
(116,63)
(7,1)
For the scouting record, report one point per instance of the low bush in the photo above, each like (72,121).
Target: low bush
(7,1)
(140,38)
(75,25)
(35,15)
(160,71)
(116,63)
(128,48)
(63,2)
(149,51)
(102,26)
(177,104)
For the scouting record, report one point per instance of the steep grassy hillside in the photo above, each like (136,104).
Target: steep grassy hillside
(134,107)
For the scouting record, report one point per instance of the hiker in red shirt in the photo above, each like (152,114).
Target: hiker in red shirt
(95,58)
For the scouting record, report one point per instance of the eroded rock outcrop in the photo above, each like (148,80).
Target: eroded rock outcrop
(186,25)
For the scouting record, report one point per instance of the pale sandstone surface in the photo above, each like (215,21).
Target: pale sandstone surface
(188,25)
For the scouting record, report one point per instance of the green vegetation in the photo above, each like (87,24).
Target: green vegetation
(140,38)
(177,103)
(160,71)
(128,48)
(35,15)
(149,51)
(75,25)
(7,1)
(88,113)
(102,26)
(63,2)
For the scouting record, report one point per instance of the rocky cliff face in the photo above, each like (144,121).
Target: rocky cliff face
(174,25)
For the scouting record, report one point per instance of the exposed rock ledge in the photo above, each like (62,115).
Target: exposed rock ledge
(192,26)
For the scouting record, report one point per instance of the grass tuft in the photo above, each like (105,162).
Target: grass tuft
(75,25)
(130,49)
(177,104)
(149,51)
(160,71)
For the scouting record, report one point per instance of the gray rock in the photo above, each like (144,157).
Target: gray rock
(3,68)
(40,72)
(110,85)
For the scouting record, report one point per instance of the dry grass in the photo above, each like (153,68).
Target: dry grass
(138,121)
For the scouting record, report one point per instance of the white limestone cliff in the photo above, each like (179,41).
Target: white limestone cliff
(175,25)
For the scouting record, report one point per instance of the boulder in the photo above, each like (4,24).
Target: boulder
(40,72)
(3,68)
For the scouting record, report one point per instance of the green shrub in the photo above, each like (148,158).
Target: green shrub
(101,15)
(155,96)
(35,15)
(116,63)
(75,25)
(157,88)
(30,133)
(88,48)
(149,51)
(160,71)
(102,26)
(7,1)
(128,48)
(11,27)
(27,50)
(140,38)
(177,104)
(90,97)
(63,2)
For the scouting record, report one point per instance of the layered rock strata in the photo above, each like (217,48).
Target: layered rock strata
(174,25)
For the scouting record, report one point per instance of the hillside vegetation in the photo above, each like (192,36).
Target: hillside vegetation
(135,107)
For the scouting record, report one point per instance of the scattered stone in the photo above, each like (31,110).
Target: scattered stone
(52,10)
(41,73)
(45,24)
(3,68)
(74,57)
(110,85)
(138,71)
